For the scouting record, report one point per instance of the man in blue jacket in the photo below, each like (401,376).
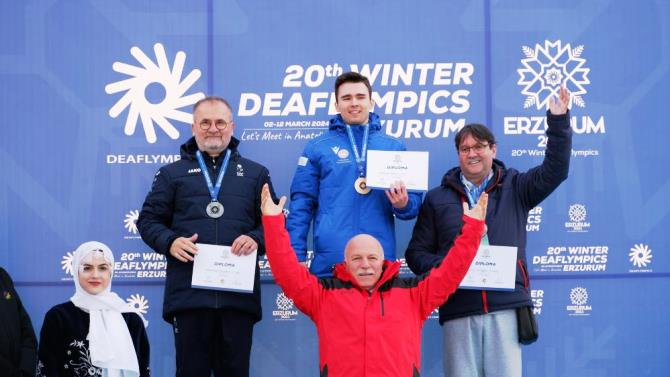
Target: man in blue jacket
(210,196)
(480,326)
(329,188)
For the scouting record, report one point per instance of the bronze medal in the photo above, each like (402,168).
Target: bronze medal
(361,187)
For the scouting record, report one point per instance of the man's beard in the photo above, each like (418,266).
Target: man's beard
(213,146)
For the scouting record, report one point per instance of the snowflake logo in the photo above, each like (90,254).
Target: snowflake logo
(553,76)
(138,303)
(66,263)
(577,212)
(578,296)
(546,68)
(130,222)
(283,302)
(141,78)
(640,255)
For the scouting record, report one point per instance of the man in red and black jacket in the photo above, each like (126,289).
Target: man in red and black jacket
(368,318)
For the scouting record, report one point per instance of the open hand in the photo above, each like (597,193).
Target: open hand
(559,106)
(479,212)
(268,206)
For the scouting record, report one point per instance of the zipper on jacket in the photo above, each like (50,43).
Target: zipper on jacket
(216,233)
(365,331)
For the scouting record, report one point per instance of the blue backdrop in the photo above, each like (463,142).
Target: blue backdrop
(95,96)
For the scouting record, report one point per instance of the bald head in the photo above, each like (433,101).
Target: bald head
(363,242)
(364,258)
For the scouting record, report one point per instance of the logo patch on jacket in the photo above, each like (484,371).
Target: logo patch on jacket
(194,170)
(240,170)
(341,153)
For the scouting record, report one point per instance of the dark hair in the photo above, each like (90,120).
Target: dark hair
(212,99)
(354,77)
(478,131)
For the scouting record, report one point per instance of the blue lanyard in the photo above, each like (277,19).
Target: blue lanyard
(473,191)
(360,158)
(213,190)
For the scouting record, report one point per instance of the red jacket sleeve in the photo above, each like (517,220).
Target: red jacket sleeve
(293,278)
(443,280)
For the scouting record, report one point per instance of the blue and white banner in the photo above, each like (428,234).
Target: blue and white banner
(97,95)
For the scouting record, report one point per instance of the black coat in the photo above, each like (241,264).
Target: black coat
(64,350)
(175,207)
(512,194)
(18,345)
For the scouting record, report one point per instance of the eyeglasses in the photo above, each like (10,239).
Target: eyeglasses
(478,148)
(220,125)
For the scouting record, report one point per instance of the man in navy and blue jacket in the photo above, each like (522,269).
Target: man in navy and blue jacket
(480,326)
(212,329)
(329,189)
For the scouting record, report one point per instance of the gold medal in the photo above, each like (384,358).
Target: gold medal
(361,187)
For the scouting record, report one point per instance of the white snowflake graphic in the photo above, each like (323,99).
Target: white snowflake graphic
(577,212)
(130,221)
(138,303)
(150,73)
(547,67)
(553,76)
(66,262)
(283,302)
(579,296)
(640,255)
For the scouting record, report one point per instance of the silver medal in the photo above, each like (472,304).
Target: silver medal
(214,210)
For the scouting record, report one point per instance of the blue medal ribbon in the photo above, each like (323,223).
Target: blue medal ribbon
(360,158)
(473,193)
(213,190)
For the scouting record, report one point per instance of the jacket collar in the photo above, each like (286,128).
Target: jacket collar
(188,149)
(337,123)
(390,270)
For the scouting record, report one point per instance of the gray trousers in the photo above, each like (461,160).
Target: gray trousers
(484,345)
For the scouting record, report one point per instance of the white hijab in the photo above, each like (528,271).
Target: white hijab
(110,344)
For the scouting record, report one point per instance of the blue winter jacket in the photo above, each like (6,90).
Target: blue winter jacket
(175,207)
(323,191)
(512,195)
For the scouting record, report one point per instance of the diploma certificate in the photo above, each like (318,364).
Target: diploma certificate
(216,267)
(494,268)
(386,167)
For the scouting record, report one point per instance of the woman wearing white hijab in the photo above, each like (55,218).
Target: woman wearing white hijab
(95,333)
